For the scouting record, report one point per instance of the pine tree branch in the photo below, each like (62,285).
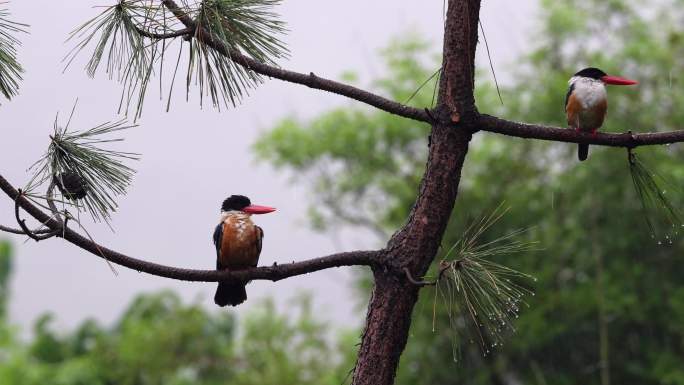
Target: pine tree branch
(485,122)
(272,273)
(532,131)
(309,80)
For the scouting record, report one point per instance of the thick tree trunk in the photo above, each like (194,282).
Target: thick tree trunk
(416,244)
(414,247)
(387,325)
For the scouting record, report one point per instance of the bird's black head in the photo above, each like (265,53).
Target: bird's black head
(235,202)
(591,72)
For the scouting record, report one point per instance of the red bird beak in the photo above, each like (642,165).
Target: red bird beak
(256,209)
(618,81)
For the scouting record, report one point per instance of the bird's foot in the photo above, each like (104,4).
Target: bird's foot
(594,132)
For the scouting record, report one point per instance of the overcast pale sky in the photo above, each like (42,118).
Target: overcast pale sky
(193,158)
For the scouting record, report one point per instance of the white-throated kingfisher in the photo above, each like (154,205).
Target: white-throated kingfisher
(586,102)
(238,245)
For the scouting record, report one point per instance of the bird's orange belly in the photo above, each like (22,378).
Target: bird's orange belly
(238,245)
(589,120)
(585,118)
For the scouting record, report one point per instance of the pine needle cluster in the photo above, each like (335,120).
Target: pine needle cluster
(87,176)
(132,38)
(10,69)
(482,298)
(663,218)
(245,26)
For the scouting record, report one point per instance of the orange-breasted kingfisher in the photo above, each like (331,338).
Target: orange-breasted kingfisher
(586,102)
(238,245)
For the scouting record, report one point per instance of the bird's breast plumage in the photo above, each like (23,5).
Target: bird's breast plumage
(586,104)
(240,241)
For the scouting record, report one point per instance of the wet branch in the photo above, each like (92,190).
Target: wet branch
(309,80)
(485,122)
(532,131)
(272,273)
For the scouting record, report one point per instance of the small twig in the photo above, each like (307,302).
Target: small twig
(25,229)
(443,266)
(12,230)
(417,282)
(431,118)
(51,203)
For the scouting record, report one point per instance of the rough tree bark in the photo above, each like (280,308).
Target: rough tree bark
(416,244)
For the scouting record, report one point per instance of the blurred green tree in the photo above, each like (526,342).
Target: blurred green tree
(5,272)
(159,340)
(6,334)
(609,305)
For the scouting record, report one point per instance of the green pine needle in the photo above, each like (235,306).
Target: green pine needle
(248,26)
(482,298)
(118,41)
(10,69)
(129,57)
(102,171)
(662,217)
(245,26)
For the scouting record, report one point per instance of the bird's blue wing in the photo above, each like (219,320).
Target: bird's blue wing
(218,234)
(260,237)
(567,96)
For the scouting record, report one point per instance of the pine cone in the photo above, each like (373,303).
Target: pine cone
(71,185)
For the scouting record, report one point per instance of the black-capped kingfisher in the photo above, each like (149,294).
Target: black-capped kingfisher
(586,102)
(238,245)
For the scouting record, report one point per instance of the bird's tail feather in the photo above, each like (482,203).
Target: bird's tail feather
(582,151)
(231,294)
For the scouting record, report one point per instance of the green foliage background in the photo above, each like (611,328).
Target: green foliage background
(609,297)
(609,306)
(160,340)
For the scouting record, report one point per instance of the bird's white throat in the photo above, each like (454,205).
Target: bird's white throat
(239,215)
(589,92)
(239,219)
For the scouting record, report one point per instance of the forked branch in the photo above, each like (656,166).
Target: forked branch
(31,234)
